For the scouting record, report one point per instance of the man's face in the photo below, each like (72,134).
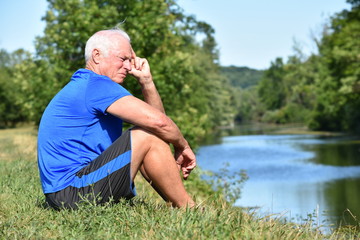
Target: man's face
(117,63)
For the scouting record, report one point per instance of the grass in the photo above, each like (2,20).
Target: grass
(23,215)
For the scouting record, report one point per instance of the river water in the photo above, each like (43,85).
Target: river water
(297,177)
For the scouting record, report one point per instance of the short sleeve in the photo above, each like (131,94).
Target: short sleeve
(102,92)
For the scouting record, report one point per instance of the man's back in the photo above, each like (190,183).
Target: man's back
(75,128)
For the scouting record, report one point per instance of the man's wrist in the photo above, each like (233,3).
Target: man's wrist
(145,79)
(183,144)
(147,83)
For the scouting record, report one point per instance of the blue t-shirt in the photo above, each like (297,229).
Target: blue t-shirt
(75,128)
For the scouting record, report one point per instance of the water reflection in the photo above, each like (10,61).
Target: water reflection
(346,153)
(294,175)
(341,195)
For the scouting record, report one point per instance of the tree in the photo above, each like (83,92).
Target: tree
(242,77)
(338,84)
(185,71)
(354,3)
(11,111)
(271,87)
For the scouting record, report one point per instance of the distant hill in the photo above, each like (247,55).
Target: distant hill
(241,77)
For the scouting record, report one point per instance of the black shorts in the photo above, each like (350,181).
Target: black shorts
(106,177)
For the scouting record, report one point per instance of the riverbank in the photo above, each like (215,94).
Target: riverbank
(23,216)
(257,128)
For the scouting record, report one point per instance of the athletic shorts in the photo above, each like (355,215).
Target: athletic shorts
(106,177)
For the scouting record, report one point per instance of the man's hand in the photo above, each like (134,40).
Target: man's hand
(186,160)
(140,69)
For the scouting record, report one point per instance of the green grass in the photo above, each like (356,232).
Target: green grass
(23,215)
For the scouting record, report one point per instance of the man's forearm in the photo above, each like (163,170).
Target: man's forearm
(151,96)
(167,130)
(141,71)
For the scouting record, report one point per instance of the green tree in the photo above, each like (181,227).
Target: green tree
(242,77)
(271,87)
(185,71)
(11,111)
(354,3)
(338,84)
(287,90)
(249,107)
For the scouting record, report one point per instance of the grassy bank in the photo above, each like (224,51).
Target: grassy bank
(23,215)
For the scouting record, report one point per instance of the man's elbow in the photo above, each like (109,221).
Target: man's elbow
(162,124)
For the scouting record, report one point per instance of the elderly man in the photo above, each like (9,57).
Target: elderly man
(82,151)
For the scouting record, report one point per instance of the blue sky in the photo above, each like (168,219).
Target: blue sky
(248,33)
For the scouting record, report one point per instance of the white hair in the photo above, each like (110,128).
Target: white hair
(103,41)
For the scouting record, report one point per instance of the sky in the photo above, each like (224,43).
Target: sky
(248,33)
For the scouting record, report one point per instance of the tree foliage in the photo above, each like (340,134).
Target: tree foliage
(338,83)
(271,88)
(10,107)
(185,70)
(241,77)
(323,89)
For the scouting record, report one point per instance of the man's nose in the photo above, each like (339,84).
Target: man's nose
(127,65)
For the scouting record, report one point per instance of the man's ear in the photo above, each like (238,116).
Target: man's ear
(96,56)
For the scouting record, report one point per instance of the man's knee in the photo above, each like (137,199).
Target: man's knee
(145,139)
(143,145)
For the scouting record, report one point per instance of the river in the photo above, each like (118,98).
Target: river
(298,177)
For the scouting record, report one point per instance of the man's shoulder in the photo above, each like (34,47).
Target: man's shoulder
(95,85)
(85,74)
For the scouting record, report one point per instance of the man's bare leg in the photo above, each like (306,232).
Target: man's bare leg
(155,160)
(144,174)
